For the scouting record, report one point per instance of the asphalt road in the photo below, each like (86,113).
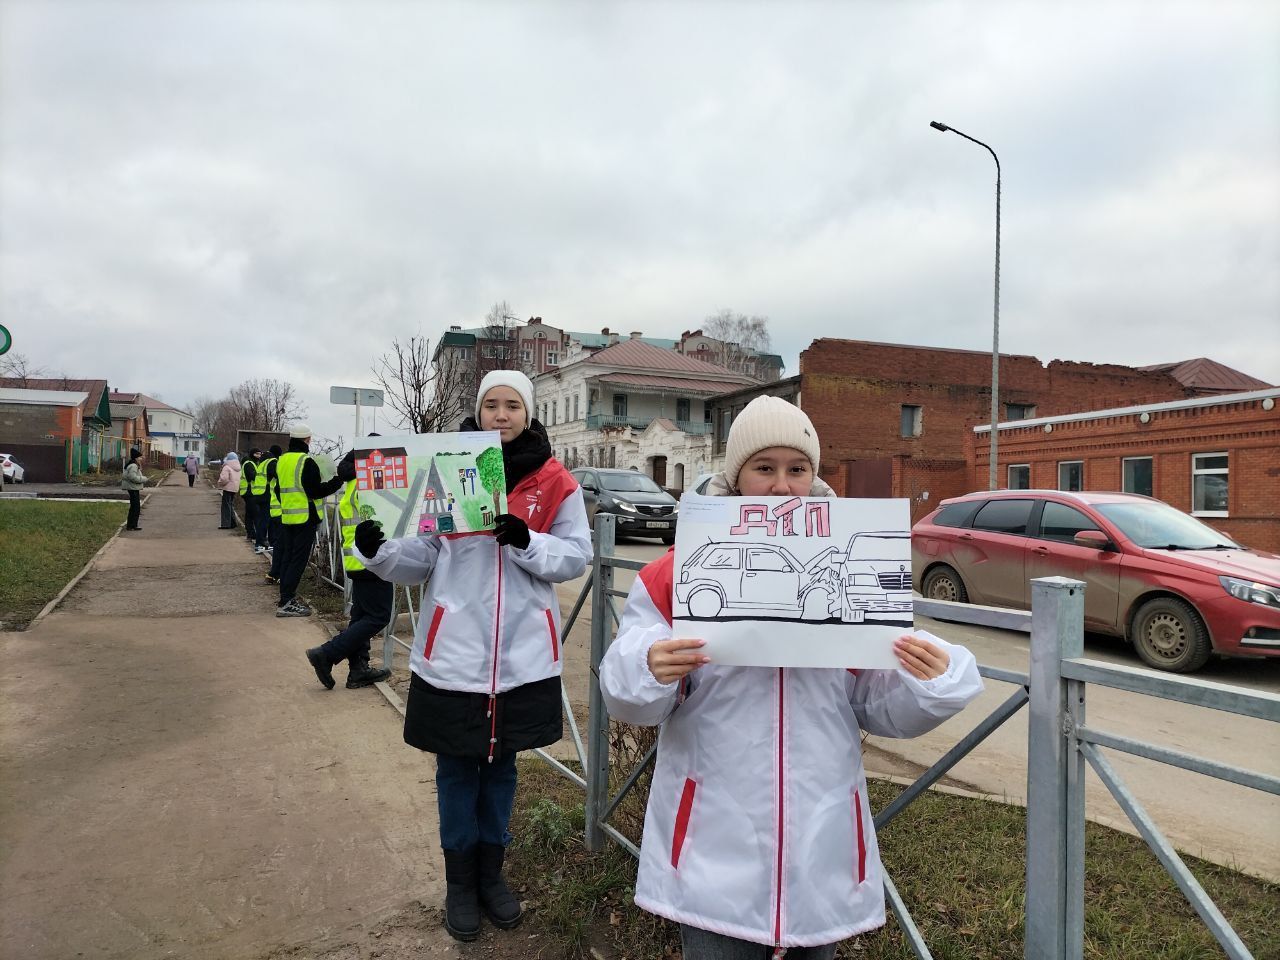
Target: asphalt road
(1190,808)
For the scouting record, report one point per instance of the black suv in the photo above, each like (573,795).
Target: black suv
(642,507)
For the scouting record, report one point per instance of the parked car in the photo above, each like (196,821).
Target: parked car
(1177,589)
(12,469)
(642,507)
(762,578)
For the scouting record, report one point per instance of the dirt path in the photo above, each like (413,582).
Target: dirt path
(177,784)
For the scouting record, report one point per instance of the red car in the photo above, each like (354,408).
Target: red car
(1177,589)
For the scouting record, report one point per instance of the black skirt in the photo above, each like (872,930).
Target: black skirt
(456,723)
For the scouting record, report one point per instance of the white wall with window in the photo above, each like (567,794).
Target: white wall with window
(1137,475)
(1209,484)
(1071,475)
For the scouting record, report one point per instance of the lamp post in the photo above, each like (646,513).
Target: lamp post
(995,335)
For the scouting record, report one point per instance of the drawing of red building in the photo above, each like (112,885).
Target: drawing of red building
(382,469)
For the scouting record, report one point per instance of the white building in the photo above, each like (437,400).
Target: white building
(172,431)
(634,405)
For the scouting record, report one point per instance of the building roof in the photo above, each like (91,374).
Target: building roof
(636,353)
(1267,393)
(95,405)
(43,398)
(127,411)
(151,403)
(682,384)
(1208,376)
(595,341)
(454,338)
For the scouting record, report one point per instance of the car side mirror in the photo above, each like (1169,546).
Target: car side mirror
(589,488)
(1094,539)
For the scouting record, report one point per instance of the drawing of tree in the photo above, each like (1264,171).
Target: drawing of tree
(492,474)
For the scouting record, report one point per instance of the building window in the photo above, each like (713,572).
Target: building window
(554,407)
(1019,476)
(526,356)
(1137,475)
(574,459)
(682,411)
(553,358)
(575,406)
(465,353)
(613,457)
(1209,484)
(726,421)
(1019,411)
(591,456)
(1071,475)
(619,404)
(566,409)
(912,420)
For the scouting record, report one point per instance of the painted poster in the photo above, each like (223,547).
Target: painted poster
(432,483)
(794,581)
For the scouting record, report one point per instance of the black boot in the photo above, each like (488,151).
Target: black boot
(322,667)
(461,908)
(500,904)
(360,674)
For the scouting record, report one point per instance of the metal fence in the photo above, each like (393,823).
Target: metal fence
(1059,745)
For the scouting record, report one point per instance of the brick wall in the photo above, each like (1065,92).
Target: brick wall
(1244,430)
(34,423)
(853,390)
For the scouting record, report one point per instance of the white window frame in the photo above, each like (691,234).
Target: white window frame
(1210,471)
(1068,463)
(1008,476)
(553,358)
(1124,478)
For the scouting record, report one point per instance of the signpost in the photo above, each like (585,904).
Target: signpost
(6,340)
(357,396)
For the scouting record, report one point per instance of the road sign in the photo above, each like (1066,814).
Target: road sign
(6,340)
(356,396)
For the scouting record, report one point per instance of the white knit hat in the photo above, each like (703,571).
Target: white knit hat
(768,422)
(514,379)
(299,431)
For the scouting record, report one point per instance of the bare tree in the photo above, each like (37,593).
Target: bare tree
(744,339)
(268,404)
(405,376)
(453,390)
(18,366)
(500,346)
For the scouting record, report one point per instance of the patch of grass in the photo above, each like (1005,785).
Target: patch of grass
(45,543)
(957,862)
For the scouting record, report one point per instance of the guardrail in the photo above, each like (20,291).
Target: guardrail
(1059,746)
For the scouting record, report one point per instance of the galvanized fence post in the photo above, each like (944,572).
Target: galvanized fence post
(597,772)
(1055,774)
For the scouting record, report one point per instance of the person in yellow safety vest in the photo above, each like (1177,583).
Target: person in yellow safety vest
(302,493)
(250,467)
(273,514)
(259,500)
(370,600)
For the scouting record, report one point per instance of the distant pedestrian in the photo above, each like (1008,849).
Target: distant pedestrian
(371,598)
(274,526)
(302,494)
(261,501)
(133,481)
(192,466)
(250,469)
(229,484)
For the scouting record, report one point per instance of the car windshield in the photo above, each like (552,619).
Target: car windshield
(1160,526)
(629,483)
(878,546)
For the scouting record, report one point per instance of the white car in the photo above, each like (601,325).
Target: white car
(13,472)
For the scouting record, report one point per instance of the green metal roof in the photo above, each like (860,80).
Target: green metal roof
(455,339)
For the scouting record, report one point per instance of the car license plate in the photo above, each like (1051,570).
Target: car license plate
(657,524)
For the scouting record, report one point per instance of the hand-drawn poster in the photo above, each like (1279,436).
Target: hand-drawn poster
(432,483)
(794,581)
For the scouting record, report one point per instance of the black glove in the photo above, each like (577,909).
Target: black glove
(511,531)
(347,468)
(369,537)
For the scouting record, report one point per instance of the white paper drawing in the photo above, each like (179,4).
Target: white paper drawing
(794,581)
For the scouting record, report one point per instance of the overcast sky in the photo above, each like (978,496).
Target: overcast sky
(196,193)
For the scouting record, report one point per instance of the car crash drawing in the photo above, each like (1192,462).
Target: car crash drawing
(792,581)
(432,483)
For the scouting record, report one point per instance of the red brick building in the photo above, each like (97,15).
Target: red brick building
(896,420)
(1216,457)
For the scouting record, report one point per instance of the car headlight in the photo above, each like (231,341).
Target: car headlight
(628,507)
(1251,592)
(862,580)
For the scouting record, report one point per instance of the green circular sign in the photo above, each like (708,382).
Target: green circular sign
(6,340)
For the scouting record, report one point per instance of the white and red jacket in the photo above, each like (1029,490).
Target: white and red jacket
(490,620)
(758,825)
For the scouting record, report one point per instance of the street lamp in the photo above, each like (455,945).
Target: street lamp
(995,335)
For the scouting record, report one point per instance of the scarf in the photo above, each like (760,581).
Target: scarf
(523,455)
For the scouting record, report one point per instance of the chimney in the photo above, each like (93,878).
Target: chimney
(613,338)
(605,331)
(636,334)
(534,321)
(455,328)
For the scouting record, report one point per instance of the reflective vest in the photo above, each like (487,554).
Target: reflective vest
(259,486)
(273,491)
(244,479)
(349,517)
(294,507)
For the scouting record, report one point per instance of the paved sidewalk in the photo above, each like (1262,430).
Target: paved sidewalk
(178,784)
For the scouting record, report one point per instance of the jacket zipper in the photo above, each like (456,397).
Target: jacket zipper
(493,679)
(777,915)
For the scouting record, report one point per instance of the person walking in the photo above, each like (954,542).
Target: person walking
(758,837)
(133,481)
(192,466)
(302,493)
(274,526)
(370,600)
(485,680)
(229,484)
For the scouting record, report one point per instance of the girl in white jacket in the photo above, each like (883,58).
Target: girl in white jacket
(485,664)
(758,838)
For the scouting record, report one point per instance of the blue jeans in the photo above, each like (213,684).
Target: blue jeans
(699,944)
(475,799)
